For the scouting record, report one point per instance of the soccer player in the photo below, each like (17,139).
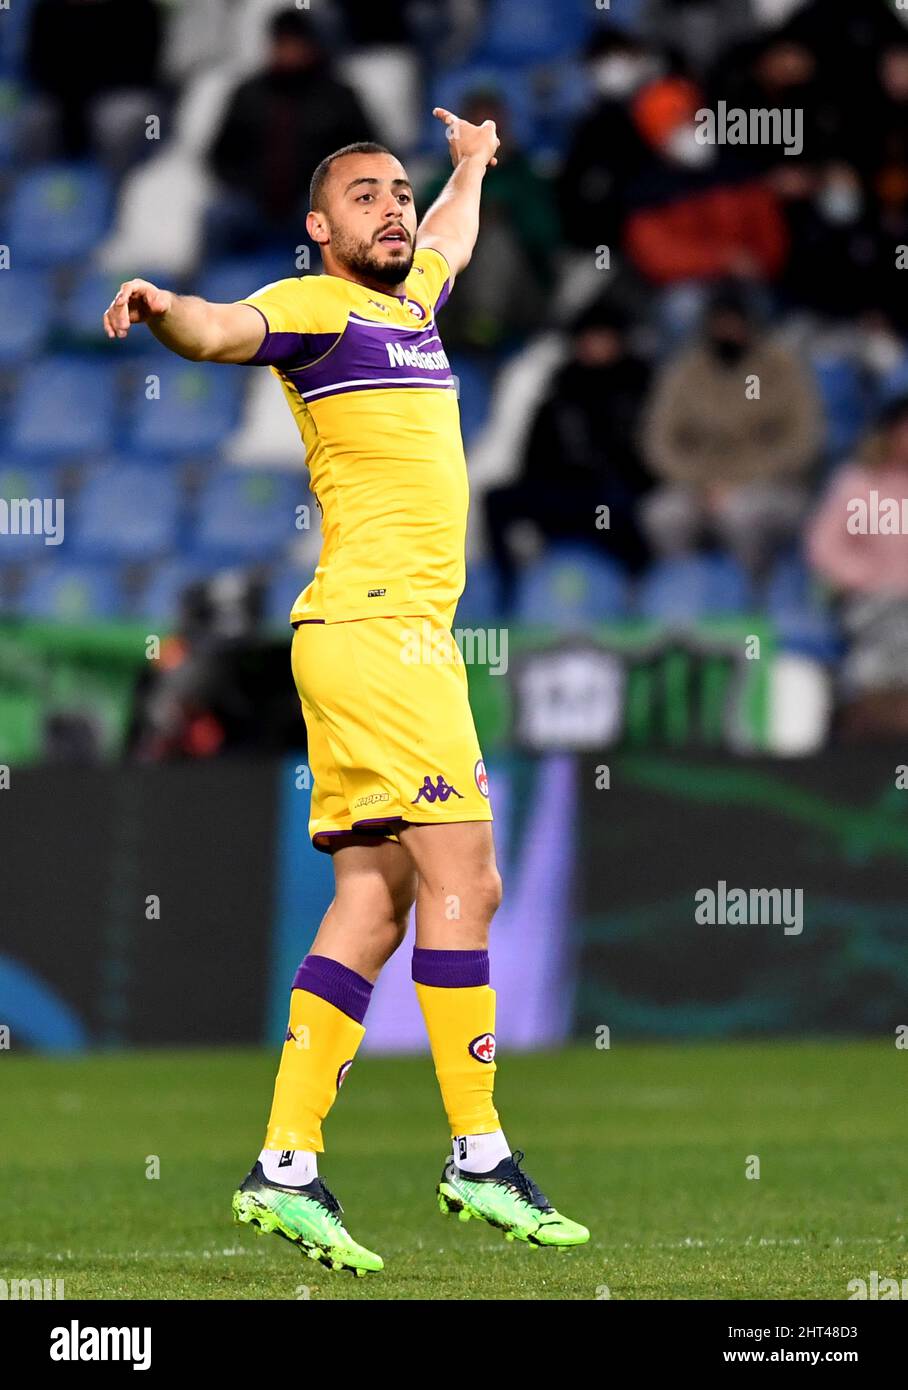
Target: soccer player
(400,793)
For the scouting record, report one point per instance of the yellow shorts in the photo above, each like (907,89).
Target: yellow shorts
(391,733)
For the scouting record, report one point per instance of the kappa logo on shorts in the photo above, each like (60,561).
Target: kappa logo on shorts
(343,1072)
(482,778)
(439,790)
(372,799)
(483,1047)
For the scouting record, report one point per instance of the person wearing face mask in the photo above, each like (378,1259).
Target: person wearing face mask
(834,243)
(606,150)
(731,428)
(582,452)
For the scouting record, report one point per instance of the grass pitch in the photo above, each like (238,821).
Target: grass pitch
(647,1145)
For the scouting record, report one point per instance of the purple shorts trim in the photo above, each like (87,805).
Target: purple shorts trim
(335,983)
(450,969)
(377,821)
(379,830)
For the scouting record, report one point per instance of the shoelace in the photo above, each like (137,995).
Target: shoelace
(330,1201)
(524,1184)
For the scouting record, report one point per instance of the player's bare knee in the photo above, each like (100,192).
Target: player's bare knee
(487,891)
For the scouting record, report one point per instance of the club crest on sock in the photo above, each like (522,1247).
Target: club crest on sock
(483,1047)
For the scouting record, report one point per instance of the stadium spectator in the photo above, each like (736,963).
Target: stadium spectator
(731,427)
(856,543)
(781,72)
(694,213)
(697,31)
(504,290)
(96,65)
(606,149)
(835,246)
(278,125)
(581,453)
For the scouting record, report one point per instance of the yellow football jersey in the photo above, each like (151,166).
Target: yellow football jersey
(370,385)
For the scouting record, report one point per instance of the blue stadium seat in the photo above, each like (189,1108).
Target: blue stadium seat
(65,406)
(513,85)
(127,512)
(11,106)
(246,514)
(237,277)
(159,599)
(521,34)
(58,214)
(474,390)
(479,601)
(197,406)
(690,587)
(572,585)
(14,36)
(846,401)
(33,482)
(80,315)
(282,593)
(802,621)
(25,314)
(70,592)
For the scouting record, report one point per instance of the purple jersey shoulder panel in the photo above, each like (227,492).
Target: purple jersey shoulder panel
(289,349)
(370,354)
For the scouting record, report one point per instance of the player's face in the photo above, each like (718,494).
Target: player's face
(371,217)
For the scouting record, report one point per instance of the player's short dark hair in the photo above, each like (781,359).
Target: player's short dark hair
(317,182)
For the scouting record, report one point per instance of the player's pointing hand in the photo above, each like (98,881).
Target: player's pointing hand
(468,140)
(136,301)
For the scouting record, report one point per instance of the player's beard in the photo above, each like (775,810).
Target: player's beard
(362,259)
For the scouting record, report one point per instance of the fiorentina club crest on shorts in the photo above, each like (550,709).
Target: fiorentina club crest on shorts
(343,1072)
(483,1047)
(482,777)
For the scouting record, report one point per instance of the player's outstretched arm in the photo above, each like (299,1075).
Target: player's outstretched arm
(192,327)
(451,225)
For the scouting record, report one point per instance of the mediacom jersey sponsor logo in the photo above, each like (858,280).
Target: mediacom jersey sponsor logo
(400,356)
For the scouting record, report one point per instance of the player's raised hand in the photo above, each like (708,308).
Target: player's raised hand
(467,139)
(136,301)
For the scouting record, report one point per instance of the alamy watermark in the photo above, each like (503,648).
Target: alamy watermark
(776,907)
(757,125)
(874,515)
(33,516)
(431,645)
(25,1290)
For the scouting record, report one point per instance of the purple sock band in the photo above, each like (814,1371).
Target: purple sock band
(450,969)
(336,983)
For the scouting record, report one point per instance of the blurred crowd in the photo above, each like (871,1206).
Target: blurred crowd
(703,343)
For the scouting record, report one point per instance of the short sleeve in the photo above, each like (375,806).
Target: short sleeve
(435,275)
(291,336)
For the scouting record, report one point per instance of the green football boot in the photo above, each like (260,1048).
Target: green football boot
(307,1216)
(507,1198)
